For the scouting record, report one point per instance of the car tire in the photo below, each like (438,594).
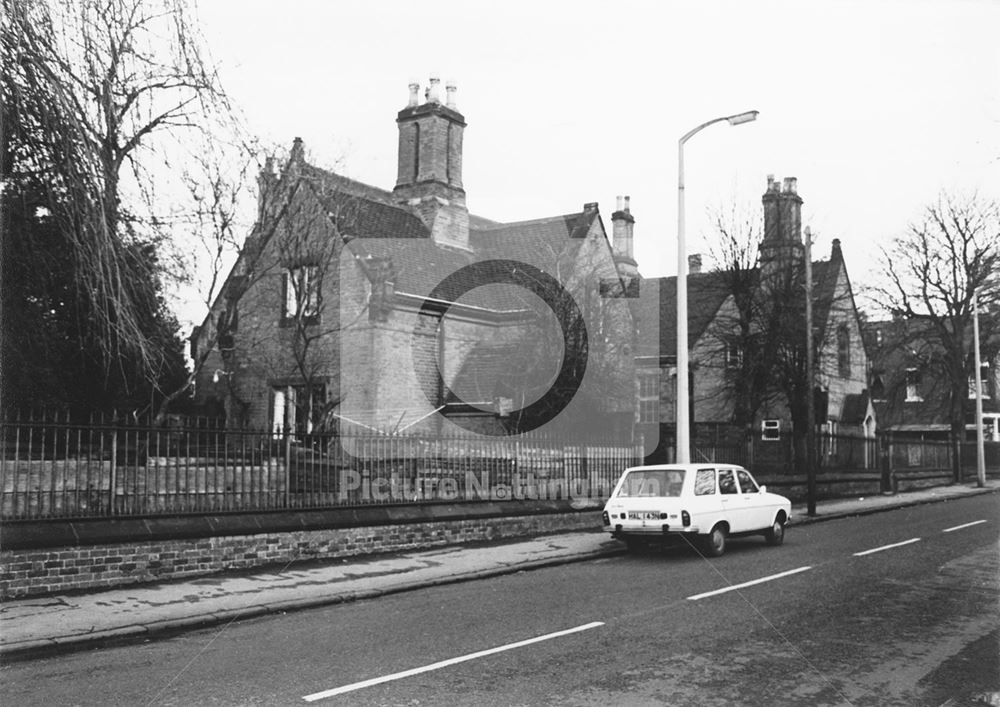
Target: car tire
(715,541)
(775,535)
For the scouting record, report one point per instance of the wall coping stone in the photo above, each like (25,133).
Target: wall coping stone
(80,532)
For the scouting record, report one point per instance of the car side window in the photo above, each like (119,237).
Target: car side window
(746,482)
(727,482)
(704,482)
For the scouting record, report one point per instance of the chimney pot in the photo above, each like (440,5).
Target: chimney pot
(694,263)
(433,92)
(627,205)
(619,203)
(790,185)
(414,90)
(450,88)
(298,150)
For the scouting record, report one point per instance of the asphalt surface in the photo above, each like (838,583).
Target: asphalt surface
(893,608)
(39,626)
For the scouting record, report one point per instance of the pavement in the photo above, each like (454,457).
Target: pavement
(55,623)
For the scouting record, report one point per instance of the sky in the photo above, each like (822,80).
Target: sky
(876,107)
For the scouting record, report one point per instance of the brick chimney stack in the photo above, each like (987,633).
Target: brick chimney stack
(623,223)
(429,174)
(694,264)
(782,243)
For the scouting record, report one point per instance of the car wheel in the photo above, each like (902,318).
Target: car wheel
(775,535)
(715,542)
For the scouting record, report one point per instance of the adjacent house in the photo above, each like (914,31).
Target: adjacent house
(910,391)
(398,310)
(733,315)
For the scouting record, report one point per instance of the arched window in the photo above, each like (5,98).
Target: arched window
(843,351)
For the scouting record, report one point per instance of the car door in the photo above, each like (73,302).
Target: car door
(704,499)
(758,512)
(733,505)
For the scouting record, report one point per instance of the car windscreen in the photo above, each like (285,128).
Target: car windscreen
(653,482)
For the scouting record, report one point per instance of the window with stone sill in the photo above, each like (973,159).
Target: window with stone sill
(913,386)
(295,408)
(984,375)
(734,356)
(301,290)
(649,397)
(770,430)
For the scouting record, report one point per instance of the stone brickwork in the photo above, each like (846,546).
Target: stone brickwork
(38,572)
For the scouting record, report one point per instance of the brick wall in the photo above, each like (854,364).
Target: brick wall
(37,572)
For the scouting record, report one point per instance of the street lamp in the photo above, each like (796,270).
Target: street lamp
(683,455)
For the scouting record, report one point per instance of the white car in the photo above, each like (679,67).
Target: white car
(707,503)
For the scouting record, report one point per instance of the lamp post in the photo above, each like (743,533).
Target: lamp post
(978,362)
(683,455)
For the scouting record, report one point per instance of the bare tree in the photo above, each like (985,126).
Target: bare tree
(760,334)
(744,355)
(98,93)
(933,273)
(275,312)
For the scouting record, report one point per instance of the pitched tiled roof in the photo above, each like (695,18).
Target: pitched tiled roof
(706,294)
(658,302)
(535,241)
(376,225)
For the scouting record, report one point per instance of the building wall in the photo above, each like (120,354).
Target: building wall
(265,342)
(842,313)
(61,569)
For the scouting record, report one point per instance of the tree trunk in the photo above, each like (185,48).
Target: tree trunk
(957,432)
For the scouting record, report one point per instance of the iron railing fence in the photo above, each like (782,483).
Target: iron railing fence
(63,469)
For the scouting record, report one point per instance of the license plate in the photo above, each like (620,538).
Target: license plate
(643,515)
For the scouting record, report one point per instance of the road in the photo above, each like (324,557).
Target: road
(894,608)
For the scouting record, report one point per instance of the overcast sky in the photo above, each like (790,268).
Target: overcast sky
(876,107)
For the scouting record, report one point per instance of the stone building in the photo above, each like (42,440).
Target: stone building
(719,330)
(398,310)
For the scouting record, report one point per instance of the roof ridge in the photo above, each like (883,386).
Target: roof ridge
(384,196)
(528,222)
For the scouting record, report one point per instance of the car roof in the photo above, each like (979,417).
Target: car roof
(684,467)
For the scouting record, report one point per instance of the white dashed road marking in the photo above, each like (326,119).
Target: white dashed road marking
(445,663)
(967,525)
(696,597)
(887,547)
